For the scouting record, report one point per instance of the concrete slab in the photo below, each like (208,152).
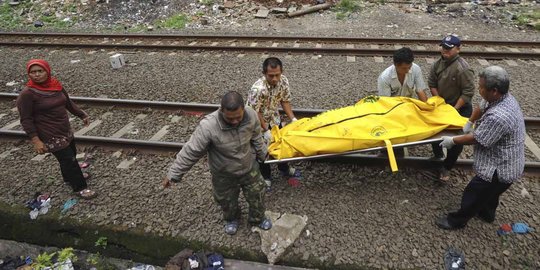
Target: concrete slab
(511,63)
(160,133)
(350,46)
(253,44)
(84,130)
(12,125)
(374,46)
(127,128)
(80,156)
(483,62)
(296,45)
(192,43)
(241,55)
(285,230)
(262,13)
(126,163)
(275,45)
(489,49)
(420,48)
(378,59)
(532,146)
(117,154)
(513,49)
(351,59)
(40,157)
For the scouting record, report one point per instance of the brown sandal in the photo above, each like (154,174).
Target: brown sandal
(86,194)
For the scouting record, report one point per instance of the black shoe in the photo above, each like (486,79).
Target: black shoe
(443,223)
(486,219)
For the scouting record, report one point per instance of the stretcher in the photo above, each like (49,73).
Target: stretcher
(373,123)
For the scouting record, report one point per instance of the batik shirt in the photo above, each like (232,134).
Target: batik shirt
(266,99)
(500,134)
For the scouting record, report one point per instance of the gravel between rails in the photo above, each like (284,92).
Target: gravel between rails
(357,215)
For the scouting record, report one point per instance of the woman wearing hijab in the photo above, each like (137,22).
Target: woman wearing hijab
(43,107)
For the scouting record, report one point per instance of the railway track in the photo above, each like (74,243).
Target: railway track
(486,49)
(155,145)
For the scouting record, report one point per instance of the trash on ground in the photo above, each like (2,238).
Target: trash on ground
(40,204)
(68,204)
(454,259)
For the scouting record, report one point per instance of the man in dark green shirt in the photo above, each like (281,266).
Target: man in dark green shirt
(452,79)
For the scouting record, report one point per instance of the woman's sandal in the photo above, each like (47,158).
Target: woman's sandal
(84,165)
(86,194)
(231,227)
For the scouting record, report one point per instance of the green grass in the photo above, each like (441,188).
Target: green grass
(178,21)
(345,7)
(10,18)
(207,2)
(532,16)
(348,6)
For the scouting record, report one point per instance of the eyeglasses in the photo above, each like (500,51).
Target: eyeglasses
(39,71)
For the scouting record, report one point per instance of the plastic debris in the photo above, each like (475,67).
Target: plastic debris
(68,204)
(142,267)
(40,205)
(504,229)
(521,228)
(454,259)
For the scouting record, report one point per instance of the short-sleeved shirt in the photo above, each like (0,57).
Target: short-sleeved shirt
(500,134)
(388,83)
(266,99)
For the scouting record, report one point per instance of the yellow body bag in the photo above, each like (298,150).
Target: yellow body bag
(371,122)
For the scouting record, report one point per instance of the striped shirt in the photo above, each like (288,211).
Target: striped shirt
(500,134)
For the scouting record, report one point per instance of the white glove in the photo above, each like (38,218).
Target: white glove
(267,135)
(468,127)
(294,119)
(447,142)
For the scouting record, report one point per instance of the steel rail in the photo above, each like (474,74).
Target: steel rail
(531,167)
(530,122)
(275,38)
(496,55)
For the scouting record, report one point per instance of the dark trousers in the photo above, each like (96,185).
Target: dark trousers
(266,170)
(71,172)
(479,198)
(454,152)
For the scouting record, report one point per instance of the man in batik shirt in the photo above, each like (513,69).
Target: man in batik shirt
(265,97)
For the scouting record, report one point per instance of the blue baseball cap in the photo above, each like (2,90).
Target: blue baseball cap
(450,41)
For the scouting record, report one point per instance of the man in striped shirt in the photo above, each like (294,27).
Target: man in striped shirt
(499,149)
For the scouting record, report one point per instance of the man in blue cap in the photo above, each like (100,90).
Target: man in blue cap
(452,79)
